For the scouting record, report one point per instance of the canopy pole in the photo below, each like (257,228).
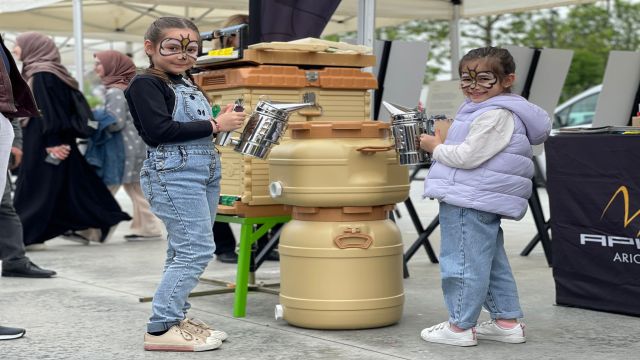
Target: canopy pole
(366,22)
(454,38)
(79,43)
(366,33)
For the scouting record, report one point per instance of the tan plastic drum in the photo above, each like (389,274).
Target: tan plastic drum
(337,164)
(341,275)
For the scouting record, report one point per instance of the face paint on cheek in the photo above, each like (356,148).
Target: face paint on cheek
(487,79)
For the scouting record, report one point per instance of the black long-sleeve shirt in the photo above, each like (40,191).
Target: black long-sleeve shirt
(151,102)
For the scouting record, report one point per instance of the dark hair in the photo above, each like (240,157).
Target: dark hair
(499,59)
(155,32)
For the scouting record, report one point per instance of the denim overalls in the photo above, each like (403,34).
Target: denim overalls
(182,184)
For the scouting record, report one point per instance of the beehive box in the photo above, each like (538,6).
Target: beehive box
(341,93)
(244,176)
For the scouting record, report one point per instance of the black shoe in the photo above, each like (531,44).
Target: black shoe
(229,257)
(8,333)
(135,237)
(28,270)
(75,237)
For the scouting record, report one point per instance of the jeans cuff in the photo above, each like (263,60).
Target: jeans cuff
(507,315)
(160,326)
(461,324)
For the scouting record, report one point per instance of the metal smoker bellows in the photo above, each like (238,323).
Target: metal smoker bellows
(265,127)
(406,126)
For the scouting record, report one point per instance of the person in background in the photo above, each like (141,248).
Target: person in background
(116,71)
(57,190)
(12,253)
(180,177)
(16,100)
(481,174)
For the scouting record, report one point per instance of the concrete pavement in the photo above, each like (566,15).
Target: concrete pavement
(91,310)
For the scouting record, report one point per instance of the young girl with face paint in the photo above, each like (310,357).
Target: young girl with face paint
(180,177)
(481,174)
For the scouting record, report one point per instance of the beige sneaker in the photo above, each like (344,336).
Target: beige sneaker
(197,326)
(178,338)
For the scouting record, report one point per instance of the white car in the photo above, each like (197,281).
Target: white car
(575,112)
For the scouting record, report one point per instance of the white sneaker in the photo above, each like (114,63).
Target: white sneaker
(442,334)
(490,330)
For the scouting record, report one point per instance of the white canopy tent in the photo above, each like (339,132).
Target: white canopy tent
(116,20)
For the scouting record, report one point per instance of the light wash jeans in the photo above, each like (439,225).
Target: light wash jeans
(474,267)
(6,140)
(182,185)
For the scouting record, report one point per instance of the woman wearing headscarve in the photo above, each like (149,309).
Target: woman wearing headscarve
(57,190)
(116,71)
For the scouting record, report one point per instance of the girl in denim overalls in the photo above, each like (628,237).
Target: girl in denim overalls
(180,177)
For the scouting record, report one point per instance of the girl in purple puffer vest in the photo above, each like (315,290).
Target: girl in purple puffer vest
(482,173)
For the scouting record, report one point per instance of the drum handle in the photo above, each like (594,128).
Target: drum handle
(367,150)
(364,242)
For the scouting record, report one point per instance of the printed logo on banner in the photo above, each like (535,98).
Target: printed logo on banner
(627,248)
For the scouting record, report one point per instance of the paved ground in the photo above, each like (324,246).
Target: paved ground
(91,310)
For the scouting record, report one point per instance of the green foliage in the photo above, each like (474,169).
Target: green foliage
(93,101)
(436,33)
(592,31)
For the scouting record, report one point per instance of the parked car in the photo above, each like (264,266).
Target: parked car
(579,110)
(575,112)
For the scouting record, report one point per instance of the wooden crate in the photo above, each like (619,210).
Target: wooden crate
(341,93)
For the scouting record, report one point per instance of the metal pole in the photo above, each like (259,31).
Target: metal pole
(366,32)
(366,22)
(79,43)
(454,36)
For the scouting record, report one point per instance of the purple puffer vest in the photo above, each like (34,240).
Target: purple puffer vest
(502,184)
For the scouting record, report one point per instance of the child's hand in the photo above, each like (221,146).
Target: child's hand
(230,120)
(429,142)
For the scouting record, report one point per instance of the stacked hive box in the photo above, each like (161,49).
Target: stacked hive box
(340,93)
(340,256)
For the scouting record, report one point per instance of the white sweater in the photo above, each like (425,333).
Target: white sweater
(489,134)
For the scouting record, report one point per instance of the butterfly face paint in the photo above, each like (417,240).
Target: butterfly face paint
(185,47)
(471,79)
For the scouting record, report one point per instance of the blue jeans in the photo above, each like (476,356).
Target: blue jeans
(474,267)
(182,185)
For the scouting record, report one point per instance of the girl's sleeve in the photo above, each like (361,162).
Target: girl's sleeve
(146,97)
(114,103)
(489,134)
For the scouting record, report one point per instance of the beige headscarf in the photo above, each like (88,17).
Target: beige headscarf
(40,54)
(119,69)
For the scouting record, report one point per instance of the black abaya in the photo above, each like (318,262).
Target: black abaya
(52,199)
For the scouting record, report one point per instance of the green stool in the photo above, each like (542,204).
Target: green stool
(245,280)
(247,238)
